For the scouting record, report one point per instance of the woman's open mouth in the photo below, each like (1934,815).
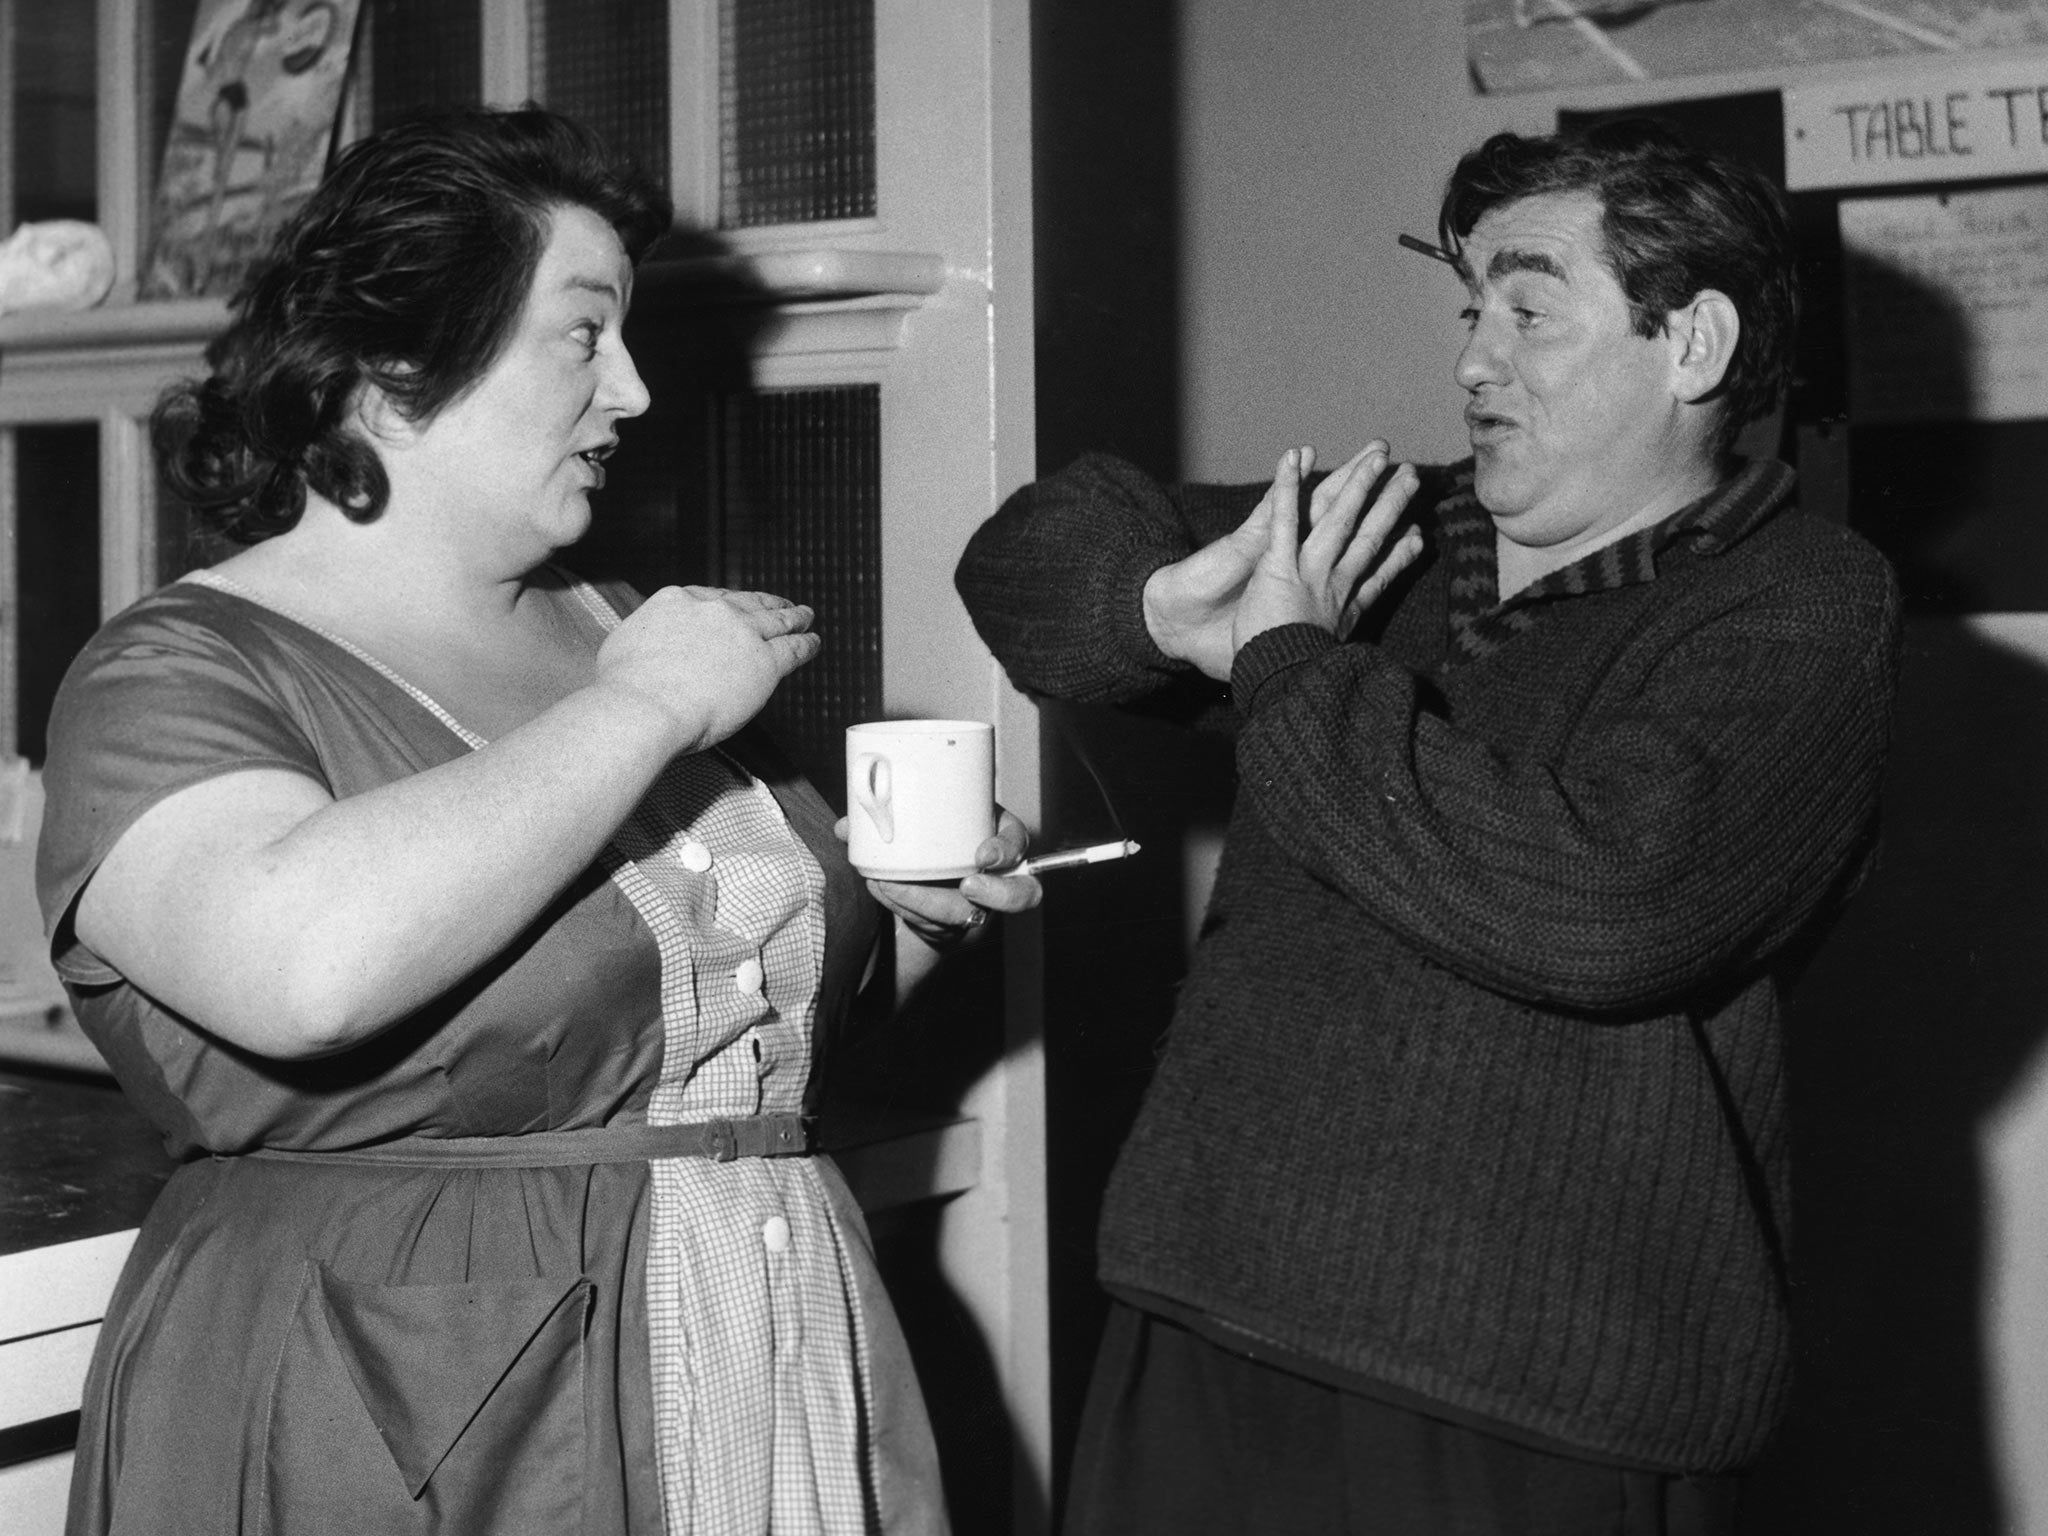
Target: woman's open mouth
(594,458)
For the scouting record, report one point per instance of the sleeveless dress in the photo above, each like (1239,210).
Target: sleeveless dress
(302,1342)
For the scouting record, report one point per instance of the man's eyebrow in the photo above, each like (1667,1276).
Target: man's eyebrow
(1501,263)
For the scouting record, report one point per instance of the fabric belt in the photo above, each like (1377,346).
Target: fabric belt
(777,1135)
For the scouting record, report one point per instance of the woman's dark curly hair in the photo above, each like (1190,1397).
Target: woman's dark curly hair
(1675,220)
(407,269)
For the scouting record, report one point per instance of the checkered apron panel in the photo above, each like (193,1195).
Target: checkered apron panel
(759,1357)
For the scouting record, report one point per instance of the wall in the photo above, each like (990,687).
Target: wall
(1314,132)
(1311,133)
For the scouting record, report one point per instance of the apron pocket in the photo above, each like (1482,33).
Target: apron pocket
(442,1407)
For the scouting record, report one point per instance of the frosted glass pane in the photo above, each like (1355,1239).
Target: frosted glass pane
(56,505)
(606,62)
(52,138)
(802,516)
(423,56)
(797,109)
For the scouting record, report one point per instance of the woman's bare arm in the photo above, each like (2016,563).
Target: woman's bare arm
(294,924)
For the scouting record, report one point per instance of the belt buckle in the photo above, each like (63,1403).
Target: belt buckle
(721,1141)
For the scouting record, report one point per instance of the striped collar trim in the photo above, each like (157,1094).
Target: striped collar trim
(1479,621)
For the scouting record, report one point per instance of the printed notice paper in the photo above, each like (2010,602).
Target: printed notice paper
(1947,305)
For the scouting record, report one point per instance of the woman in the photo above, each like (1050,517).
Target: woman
(440,909)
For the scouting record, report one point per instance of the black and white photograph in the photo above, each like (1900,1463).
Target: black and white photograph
(1023,768)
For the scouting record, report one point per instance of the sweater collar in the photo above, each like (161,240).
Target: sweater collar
(1479,621)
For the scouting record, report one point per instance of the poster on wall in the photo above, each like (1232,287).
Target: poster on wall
(1946,305)
(249,139)
(1548,45)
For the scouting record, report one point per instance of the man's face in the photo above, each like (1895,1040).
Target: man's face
(1571,413)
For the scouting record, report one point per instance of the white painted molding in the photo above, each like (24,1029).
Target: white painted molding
(152,321)
(90,382)
(34,1496)
(43,1376)
(806,273)
(64,1286)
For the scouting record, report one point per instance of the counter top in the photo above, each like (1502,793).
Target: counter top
(77,1161)
(79,1168)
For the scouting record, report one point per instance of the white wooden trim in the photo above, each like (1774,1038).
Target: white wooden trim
(111,324)
(82,385)
(810,271)
(1010,314)
(864,327)
(127,537)
(10,594)
(123,185)
(506,72)
(952,95)
(841,234)
(62,1286)
(43,1376)
(693,112)
(34,1496)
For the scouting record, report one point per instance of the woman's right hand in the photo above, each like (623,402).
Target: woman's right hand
(708,658)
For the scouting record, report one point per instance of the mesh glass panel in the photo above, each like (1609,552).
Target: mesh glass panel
(803,519)
(797,111)
(606,62)
(51,143)
(423,56)
(57,566)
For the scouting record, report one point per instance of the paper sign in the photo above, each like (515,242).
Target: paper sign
(1947,305)
(1988,119)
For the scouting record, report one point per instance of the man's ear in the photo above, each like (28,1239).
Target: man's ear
(1703,334)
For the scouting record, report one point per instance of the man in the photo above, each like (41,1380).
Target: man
(1458,1200)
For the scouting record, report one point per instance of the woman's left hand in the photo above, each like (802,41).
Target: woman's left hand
(941,914)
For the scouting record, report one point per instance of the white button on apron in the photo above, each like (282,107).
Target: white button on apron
(695,857)
(775,1234)
(747,977)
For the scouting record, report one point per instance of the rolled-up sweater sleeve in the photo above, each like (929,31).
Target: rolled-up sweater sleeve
(1717,790)
(1055,580)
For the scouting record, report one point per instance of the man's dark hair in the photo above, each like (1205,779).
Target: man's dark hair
(1674,220)
(407,269)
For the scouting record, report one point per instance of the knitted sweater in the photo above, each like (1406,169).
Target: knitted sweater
(1475,1085)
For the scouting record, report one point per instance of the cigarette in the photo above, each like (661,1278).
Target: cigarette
(1069,858)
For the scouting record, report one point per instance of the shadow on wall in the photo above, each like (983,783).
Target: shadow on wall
(1116,946)
(910,1061)
(1914,1026)
(1107,221)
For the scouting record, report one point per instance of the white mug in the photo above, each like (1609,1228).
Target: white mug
(920,797)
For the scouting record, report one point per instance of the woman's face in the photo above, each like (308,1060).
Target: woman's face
(521,451)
